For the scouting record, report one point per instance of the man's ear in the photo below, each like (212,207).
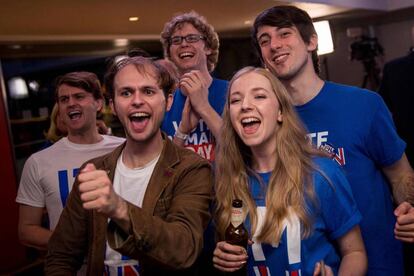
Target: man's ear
(99,103)
(313,43)
(169,102)
(208,51)
(111,104)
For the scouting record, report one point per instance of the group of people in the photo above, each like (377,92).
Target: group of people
(318,165)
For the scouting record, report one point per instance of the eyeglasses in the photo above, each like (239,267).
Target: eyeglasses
(191,38)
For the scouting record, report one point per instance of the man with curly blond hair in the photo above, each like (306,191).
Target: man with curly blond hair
(194,120)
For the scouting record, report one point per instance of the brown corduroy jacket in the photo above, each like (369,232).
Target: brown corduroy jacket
(166,233)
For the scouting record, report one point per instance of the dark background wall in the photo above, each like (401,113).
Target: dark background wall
(13,253)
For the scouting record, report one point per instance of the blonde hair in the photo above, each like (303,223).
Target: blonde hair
(290,185)
(53,134)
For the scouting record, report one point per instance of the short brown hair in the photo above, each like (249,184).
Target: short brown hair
(282,17)
(85,80)
(200,23)
(164,79)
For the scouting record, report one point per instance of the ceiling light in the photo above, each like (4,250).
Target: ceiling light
(247,22)
(325,43)
(15,46)
(133,18)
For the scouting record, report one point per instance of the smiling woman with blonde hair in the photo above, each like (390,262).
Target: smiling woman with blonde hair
(297,201)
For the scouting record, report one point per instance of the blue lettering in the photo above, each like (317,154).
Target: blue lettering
(64,187)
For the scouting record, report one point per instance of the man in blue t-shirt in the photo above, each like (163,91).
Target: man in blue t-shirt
(353,125)
(194,120)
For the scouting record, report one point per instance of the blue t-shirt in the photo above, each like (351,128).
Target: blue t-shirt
(200,140)
(357,127)
(334,215)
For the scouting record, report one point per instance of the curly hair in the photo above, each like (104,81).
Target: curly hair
(200,23)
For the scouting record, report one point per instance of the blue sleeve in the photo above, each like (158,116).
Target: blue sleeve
(384,145)
(337,205)
(172,118)
(217,95)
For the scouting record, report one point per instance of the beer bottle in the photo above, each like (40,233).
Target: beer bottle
(236,233)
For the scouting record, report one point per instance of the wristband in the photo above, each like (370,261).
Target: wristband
(180,135)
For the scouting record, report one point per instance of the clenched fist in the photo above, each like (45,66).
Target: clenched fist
(97,193)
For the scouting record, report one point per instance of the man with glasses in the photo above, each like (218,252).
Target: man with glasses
(194,120)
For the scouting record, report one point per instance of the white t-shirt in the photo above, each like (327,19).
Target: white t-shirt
(48,175)
(131,185)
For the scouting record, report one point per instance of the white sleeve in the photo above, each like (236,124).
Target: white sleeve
(30,191)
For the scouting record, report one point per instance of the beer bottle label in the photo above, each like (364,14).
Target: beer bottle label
(236,217)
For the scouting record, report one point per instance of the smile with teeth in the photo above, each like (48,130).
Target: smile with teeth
(250,125)
(280,58)
(186,55)
(139,116)
(250,120)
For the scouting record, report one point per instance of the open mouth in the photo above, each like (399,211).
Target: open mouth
(139,120)
(139,117)
(186,55)
(250,124)
(74,115)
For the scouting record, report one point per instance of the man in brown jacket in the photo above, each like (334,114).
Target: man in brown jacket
(147,200)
